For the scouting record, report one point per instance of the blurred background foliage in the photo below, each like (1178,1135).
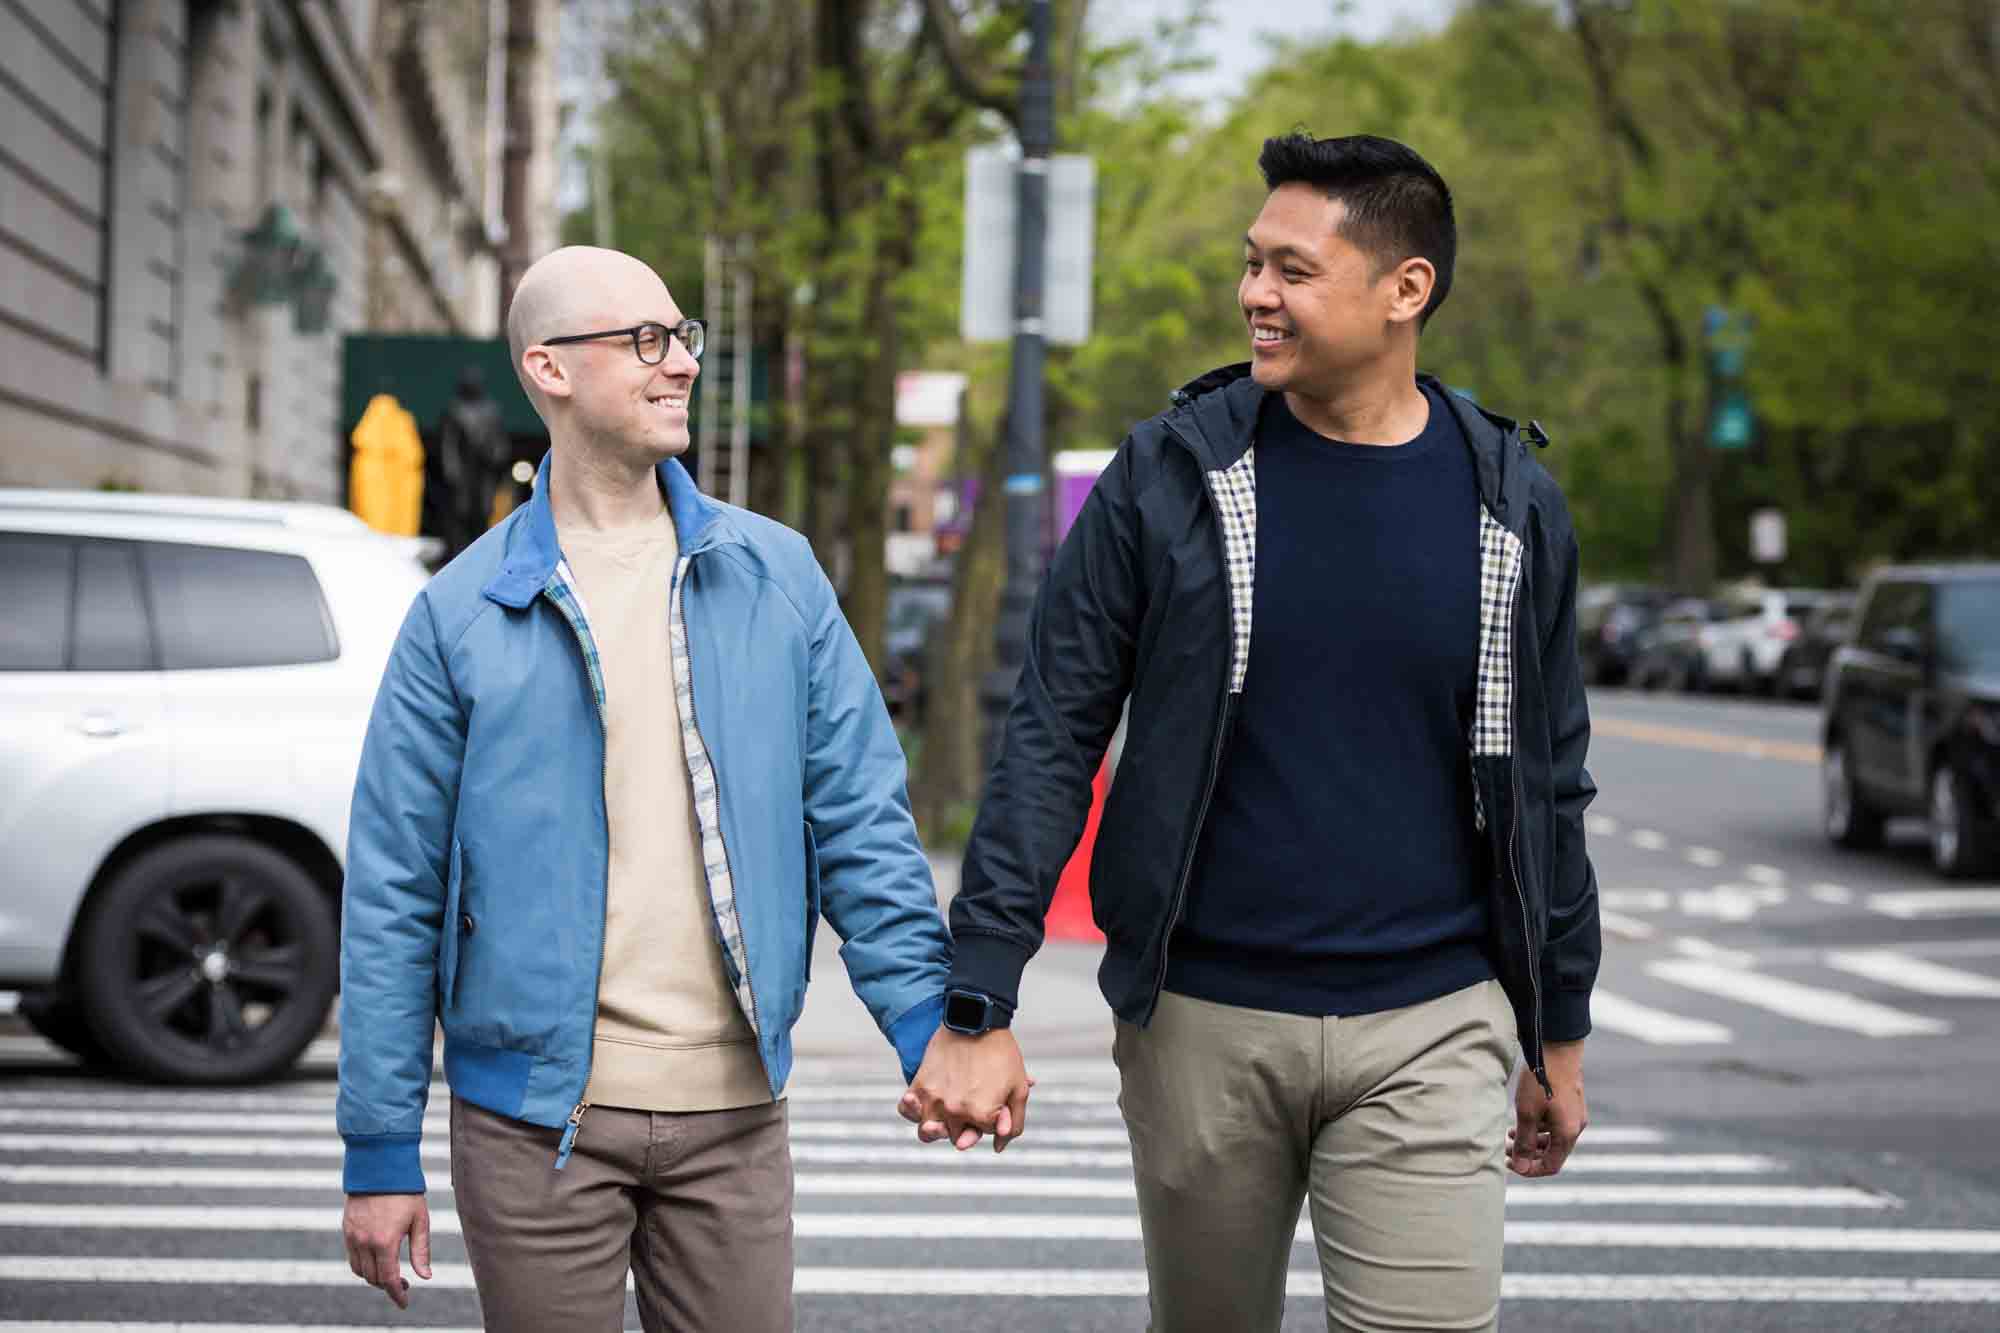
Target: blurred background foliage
(1829,169)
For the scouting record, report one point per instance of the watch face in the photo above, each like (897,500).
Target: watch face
(964,1013)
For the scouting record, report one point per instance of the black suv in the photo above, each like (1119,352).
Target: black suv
(1912,714)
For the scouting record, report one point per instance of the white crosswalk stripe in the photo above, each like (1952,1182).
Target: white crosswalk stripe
(1915,974)
(1796,1000)
(95,1184)
(1713,995)
(1615,1013)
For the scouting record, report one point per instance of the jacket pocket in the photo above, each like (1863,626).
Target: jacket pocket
(812,897)
(450,928)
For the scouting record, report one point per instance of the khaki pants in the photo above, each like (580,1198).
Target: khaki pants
(697,1206)
(1393,1124)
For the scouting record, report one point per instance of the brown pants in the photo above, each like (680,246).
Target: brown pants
(1394,1125)
(697,1206)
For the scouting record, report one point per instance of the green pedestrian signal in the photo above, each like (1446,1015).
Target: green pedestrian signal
(1732,426)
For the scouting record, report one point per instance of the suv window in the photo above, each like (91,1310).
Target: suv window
(35,594)
(225,607)
(1968,616)
(111,632)
(1893,607)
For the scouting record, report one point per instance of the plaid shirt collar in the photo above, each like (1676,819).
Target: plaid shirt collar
(533,553)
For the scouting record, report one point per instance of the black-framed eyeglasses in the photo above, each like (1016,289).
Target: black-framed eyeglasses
(649,341)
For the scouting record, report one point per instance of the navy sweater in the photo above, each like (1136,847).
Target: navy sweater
(1339,871)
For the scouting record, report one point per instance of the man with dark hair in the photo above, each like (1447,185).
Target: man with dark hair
(1342,873)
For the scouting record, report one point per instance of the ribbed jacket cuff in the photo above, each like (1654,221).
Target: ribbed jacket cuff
(383,1164)
(1565,1014)
(990,964)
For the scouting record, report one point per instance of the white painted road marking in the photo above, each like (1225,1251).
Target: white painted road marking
(1914,974)
(1615,1013)
(1044,1282)
(914,1155)
(1916,904)
(1807,1004)
(1706,857)
(1834,895)
(1731,902)
(927,1185)
(1635,900)
(1646,840)
(1070,1226)
(1627,927)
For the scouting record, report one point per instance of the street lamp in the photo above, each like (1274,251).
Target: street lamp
(314,288)
(266,271)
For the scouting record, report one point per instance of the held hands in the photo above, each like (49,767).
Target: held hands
(968,1086)
(373,1227)
(1547,1128)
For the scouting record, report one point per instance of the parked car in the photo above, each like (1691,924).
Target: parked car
(1912,714)
(1610,618)
(1742,651)
(184,686)
(1668,652)
(1802,668)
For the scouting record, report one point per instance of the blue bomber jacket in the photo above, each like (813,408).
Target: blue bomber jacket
(477,850)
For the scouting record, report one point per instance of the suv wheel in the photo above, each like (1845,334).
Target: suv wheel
(58,1019)
(1960,846)
(208,960)
(1850,821)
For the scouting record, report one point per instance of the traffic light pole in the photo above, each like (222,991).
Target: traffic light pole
(1026,462)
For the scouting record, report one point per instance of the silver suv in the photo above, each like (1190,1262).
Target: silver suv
(184,685)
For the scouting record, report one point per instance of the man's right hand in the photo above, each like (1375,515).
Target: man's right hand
(374,1227)
(969,1085)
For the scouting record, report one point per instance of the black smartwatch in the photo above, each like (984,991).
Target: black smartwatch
(972,1012)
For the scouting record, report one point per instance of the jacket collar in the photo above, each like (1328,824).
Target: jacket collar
(1217,414)
(532,551)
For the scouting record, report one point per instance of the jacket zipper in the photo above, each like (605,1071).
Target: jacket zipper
(694,720)
(1540,1062)
(581,631)
(1215,749)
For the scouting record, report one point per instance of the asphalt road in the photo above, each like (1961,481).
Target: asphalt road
(1791,1085)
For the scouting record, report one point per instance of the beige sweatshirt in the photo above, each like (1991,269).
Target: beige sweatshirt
(670,1035)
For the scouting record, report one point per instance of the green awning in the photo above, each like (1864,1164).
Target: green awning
(422,371)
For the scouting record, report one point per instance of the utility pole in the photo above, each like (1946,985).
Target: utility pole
(522,52)
(1026,456)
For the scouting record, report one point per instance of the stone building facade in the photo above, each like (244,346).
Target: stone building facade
(144,140)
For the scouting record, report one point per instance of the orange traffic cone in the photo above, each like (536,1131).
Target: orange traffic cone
(1069,912)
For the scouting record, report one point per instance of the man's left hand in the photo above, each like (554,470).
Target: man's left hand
(1547,1127)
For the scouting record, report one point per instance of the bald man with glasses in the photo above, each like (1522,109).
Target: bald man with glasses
(625,755)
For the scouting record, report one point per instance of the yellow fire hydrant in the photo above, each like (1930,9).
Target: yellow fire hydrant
(386,476)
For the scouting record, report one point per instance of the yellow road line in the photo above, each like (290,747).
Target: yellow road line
(1693,738)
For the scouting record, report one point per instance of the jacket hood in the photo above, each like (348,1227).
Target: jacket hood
(1216,414)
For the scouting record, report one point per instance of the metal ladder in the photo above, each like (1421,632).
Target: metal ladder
(722,457)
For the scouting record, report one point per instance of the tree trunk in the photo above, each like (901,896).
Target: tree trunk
(875,430)
(1690,516)
(1691,553)
(952,748)
(771,464)
(823,439)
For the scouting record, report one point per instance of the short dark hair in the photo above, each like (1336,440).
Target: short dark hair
(1397,204)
